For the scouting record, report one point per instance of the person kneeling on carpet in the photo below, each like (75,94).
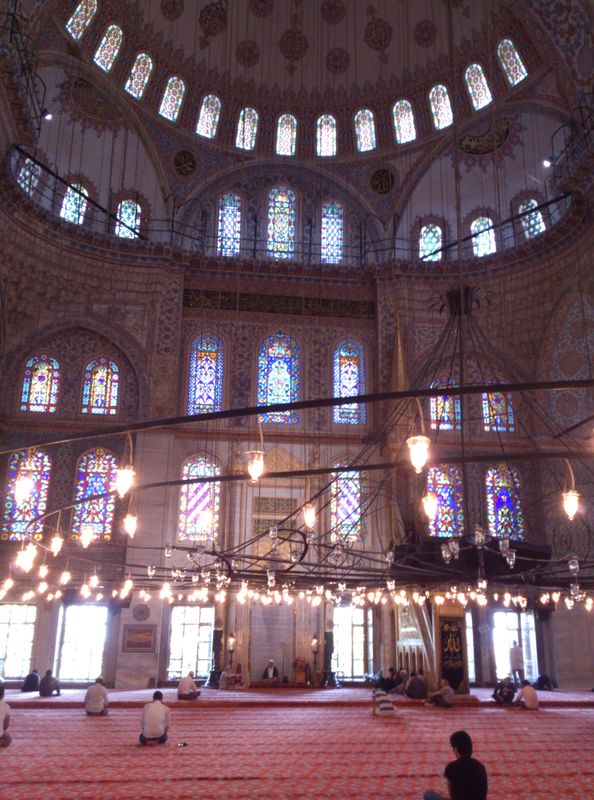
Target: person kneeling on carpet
(466,777)
(156,719)
(48,685)
(187,689)
(444,696)
(96,699)
(504,692)
(416,688)
(5,737)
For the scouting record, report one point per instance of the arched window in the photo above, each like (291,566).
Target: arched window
(404,122)
(205,388)
(96,474)
(498,412)
(199,503)
(532,220)
(28,176)
(504,506)
(444,410)
(430,240)
(332,238)
(229,227)
(326,135)
(173,97)
(346,521)
(349,380)
(281,222)
(74,204)
(483,237)
(128,222)
(109,47)
(41,384)
(81,18)
(35,465)
(208,119)
(365,130)
(279,367)
(510,61)
(446,482)
(441,107)
(286,135)
(139,75)
(247,128)
(477,86)
(101,385)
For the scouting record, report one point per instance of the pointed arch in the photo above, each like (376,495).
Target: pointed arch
(445,481)
(205,380)
(41,385)
(282,212)
(139,75)
(109,47)
(532,220)
(128,215)
(199,502)
(498,413)
(28,177)
(247,129)
(20,519)
(349,373)
(483,237)
(95,475)
(101,383)
(430,242)
(208,119)
(504,504)
(74,204)
(279,377)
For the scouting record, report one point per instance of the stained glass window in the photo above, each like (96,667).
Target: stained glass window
(28,176)
(109,47)
(483,237)
(74,204)
(208,119)
(498,412)
(279,367)
(81,18)
(229,228)
(504,506)
(247,128)
(430,240)
(205,389)
(199,503)
(349,380)
(365,130)
(533,222)
(286,135)
(100,387)
(128,222)
(139,75)
(18,523)
(477,86)
(345,506)
(444,410)
(326,135)
(332,239)
(172,99)
(281,222)
(96,474)
(446,482)
(511,62)
(404,122)
(41,384)
(441,107)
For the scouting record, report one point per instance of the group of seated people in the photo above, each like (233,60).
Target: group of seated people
(401,682)
(46,686)
(504,694)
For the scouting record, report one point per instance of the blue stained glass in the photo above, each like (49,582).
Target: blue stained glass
(281,223)
(247,128)
(533,222)
(96,475)
(199,503)
(109,48)
(441,107)
(229,228)
(101,387)
(483,241)
(345,506)
(510,61)
(74,204)
(326,135)
(365,130)
(205,390)
(172,99)
(332,232)
(28,176)
(477,86)
(404,122)
(139,75)
(81,18)
(18,519)
(349,380)
(41,384)
(446,483)
(279,377)
(498,412)
(128,222)
(208,120)
(444,409)
(504,506)
(286,135)
(430,240)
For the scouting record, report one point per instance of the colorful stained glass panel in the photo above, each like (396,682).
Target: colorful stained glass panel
(81,18)
(139,75)
(20,520)
(477,86)
(326,136)
(28,176)
(365,130)
(128,222)
(441,108)
(430,241)
(498,412)
(109,47)
(41,384)
(349,380)
(101,387)
(404,122)
(172,99)
(208,119)
(229,227)
(205,389)
(444,410)
(279,368)
(511,62)
(281,223)
(446,482)
(345,507)
(532,221)
(74,204)
(483,237)
(332,243)
(96,475)
(286,135)
(199,503)
(247,129)
(504,505)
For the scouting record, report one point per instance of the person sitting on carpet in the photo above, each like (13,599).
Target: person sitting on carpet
(544,684)
(187,689)
(227,678)
(96,699)
(401,681)
(443,697)
(389,682)
(466,777)
(527,697)
(5,737)
(156,719)
(270,674)
(48,685)
(504,692)
(416,687)
(31,682)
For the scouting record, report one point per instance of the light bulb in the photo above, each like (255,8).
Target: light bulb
(56,544)
(546,162)
(130,524)
(454,546)
(571,500)
(255,464)
(43,570)
(430,503)
(309,515)
(87,534)
(419,451)
(42,587)
(23,487)
(65,578)
(124,480)
(574,565)
(150,570)
(26,557)
(85,591)
(8,584)
(94,581)
(168,550)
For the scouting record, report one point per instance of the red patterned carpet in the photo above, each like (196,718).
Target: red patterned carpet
(294,753)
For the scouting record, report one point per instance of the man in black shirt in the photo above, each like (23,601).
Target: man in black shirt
(467,777)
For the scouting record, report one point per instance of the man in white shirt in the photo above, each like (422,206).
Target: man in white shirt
(227,678)
(156,719)
(270,674)
(187,689)
(96,699)
(5,737)
(516,663)
(527,697)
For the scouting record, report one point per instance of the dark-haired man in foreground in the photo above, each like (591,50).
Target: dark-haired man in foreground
(156,719)
(466,777)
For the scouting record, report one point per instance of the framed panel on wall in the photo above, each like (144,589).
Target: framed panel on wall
(139,639)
